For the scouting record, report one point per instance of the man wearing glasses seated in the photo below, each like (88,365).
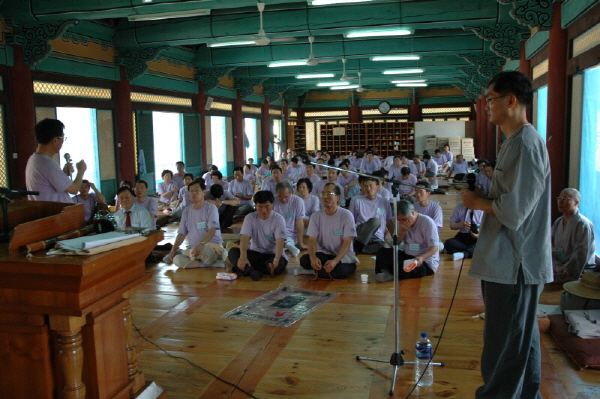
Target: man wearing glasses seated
(573,243)
(330,235)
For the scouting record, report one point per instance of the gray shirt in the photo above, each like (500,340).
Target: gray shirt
(573,246)
(519,233)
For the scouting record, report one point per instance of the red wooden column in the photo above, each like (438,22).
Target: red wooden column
(525,68)
(480,128)
(201,111)
(556,136)
(126,152)
(23,115)
(414,111)
(238,131)
(265,128)
(355,114)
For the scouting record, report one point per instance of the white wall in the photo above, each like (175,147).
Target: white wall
(438,129)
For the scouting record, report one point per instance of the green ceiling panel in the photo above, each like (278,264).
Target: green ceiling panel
(77,68)
(572,10)
(223,92)
(161,82)
(536,43)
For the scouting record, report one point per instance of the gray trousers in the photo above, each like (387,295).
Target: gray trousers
(366,241)
(510,361)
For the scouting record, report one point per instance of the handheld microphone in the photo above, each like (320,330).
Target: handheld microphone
(471,178)
(67,157)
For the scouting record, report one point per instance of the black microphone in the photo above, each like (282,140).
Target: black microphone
(471,178)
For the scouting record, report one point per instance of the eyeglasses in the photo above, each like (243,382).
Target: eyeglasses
(324,194)
(564,199)
(64,138)
(488,100)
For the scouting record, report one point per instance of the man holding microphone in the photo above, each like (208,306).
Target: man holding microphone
(513,253)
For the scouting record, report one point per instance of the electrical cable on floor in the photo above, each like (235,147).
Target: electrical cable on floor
(437,345)
(235,386)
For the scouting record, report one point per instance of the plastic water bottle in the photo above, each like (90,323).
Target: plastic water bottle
(422,357)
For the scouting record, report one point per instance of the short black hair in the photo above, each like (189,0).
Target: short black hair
(121,189)
(336,189)
(217,173)
(426,156)
(380,173)
(164,172)
(273,167)
(513,82)
(437,151)
(363,179)
(142,182)
(200,181)
(216,190)
(308,183)
(294,159)
(48,129)
(405,170)
(423,183)
(284,160)
(262,197)
(191,175)
(264,161)
(179,163)
(238,168)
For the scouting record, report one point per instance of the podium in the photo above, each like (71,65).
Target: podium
(65,321)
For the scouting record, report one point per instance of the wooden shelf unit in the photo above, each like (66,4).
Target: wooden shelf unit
(296,137)
(385,138)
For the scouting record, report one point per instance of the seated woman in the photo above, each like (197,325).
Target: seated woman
(311,202)
(167,190)
(262,240)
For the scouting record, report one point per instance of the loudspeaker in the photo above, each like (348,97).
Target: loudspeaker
(208,104)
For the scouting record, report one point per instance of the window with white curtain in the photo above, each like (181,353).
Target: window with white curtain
(277,137)
(82,139)
(166,128)
(250,139)
(589,178)
(218,130)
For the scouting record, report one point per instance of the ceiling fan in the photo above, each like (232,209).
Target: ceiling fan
(360,89)
(261,37)
(312,61)
(345,78)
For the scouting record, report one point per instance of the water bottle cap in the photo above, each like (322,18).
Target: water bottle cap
(423,335)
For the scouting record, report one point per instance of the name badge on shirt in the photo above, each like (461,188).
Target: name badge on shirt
(289,215)
(560,251)
(414,247)
(269,237)
(338,232)
(201,225)
(380,211)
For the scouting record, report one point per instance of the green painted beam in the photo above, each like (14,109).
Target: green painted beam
(572,10)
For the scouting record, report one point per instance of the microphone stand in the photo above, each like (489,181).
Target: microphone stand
(396,359)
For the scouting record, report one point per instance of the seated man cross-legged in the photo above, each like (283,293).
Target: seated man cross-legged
(262,239)
(200,224)
(330,235)
(467,222)
(420,236)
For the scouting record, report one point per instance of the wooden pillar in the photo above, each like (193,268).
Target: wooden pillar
(23,115)
(556,136)
(200,110)
(70,357)
(265,128)
(238,131)
(126,148)
(480,129)
(414,111)
(355,114)
(525,68)
(132,368)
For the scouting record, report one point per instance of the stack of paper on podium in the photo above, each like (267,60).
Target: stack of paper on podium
(96,243)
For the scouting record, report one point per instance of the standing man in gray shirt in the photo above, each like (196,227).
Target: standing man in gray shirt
(513,255)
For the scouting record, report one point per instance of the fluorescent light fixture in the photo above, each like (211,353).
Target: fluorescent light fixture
(409,81)
(402,71)
(240,43)
(277,64)
(315,76)
(412,85)
(376,33)
(328,84)
(344,87)
(396,58)
(168,14)
(326,2)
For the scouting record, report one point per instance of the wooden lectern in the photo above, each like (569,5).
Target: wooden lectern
(65,321)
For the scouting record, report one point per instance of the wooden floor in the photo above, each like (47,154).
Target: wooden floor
(180,310)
